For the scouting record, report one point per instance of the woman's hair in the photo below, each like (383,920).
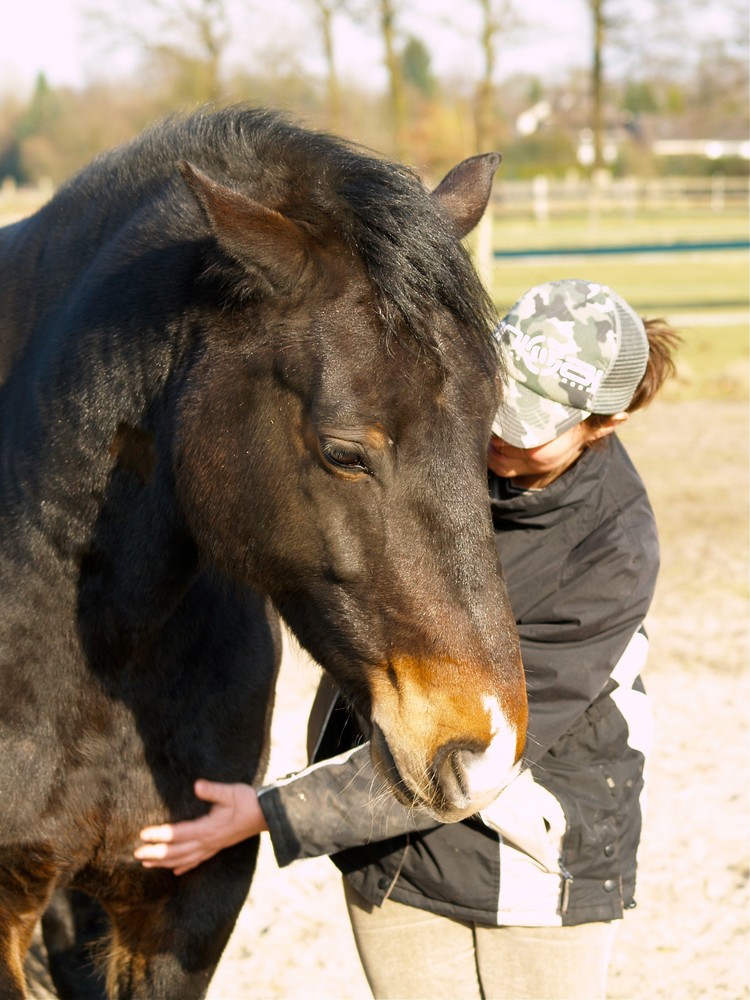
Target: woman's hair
(663,341)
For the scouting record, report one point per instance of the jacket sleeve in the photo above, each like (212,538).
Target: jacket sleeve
(333,805)
(570,645)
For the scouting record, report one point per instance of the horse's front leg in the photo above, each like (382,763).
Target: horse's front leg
(25,887)
(24,890)
(167,944)
(15,937)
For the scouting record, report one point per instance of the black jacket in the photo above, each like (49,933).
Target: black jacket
(559,845)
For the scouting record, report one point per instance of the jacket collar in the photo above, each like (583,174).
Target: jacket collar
(510,504)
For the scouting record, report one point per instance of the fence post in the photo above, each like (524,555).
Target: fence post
(717,192)
(629,188)
(483,239)
(540,194)
(599,182)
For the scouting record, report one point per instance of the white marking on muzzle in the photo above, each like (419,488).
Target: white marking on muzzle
(486,774)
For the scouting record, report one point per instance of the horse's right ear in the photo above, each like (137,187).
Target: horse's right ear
(464,192)
(272,248)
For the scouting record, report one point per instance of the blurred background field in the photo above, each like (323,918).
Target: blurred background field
(703,292)
(619,121)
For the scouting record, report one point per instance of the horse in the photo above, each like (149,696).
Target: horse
(247,372)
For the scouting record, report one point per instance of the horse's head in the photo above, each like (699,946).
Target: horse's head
(332,453)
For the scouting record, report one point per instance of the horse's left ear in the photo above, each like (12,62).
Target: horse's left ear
(272,248)
(464,192)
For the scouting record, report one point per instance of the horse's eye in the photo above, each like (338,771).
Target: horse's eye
(344,456)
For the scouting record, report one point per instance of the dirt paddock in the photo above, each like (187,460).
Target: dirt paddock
(688,937)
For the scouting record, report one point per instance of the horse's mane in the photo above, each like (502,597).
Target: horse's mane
(380,209)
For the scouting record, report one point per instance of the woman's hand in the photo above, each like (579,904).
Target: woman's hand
(235,815)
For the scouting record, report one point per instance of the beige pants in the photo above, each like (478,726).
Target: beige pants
(410,954)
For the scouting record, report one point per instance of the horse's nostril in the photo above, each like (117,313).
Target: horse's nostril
(450,772)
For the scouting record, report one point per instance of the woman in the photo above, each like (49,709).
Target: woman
(523,899)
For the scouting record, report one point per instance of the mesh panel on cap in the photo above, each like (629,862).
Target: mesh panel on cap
(618,388)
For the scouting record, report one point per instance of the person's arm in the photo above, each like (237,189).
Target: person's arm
(324,809)
(333,805)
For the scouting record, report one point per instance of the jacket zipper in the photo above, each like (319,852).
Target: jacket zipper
(567,883)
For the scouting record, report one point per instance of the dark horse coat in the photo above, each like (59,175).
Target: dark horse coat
(234,352)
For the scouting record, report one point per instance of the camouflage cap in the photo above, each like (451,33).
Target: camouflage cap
(573,348)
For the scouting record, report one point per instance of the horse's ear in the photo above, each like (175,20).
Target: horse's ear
(464,192)
(271,246)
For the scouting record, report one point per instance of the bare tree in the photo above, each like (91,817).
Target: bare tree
(596,8)
(190,36)
(615,30)
(326,12)
(498,18)
(388,11)
(382,16)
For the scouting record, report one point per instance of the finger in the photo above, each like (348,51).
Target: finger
(217,792)
(166,854)
(163,834)
(153,857)
(174,833)
(181,865)
(151,852)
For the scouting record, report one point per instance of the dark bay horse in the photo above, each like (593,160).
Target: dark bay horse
(246,368)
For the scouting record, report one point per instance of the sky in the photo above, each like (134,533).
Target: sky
(49,36)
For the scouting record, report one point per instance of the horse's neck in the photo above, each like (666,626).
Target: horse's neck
(106,516)
(63,412)
(42,259)
(17,304)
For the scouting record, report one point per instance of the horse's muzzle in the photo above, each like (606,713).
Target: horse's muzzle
(447,734)
(459,781)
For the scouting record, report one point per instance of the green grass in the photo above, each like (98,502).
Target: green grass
(705,294)
(646,227)
(704,281)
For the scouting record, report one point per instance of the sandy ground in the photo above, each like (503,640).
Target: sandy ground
(688,937)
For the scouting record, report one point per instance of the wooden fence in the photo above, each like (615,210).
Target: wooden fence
(543,198)
(540,198)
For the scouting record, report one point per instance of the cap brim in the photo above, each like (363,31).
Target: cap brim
(527,420)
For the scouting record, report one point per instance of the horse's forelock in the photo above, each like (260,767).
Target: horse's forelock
(409,251)
(379,208)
